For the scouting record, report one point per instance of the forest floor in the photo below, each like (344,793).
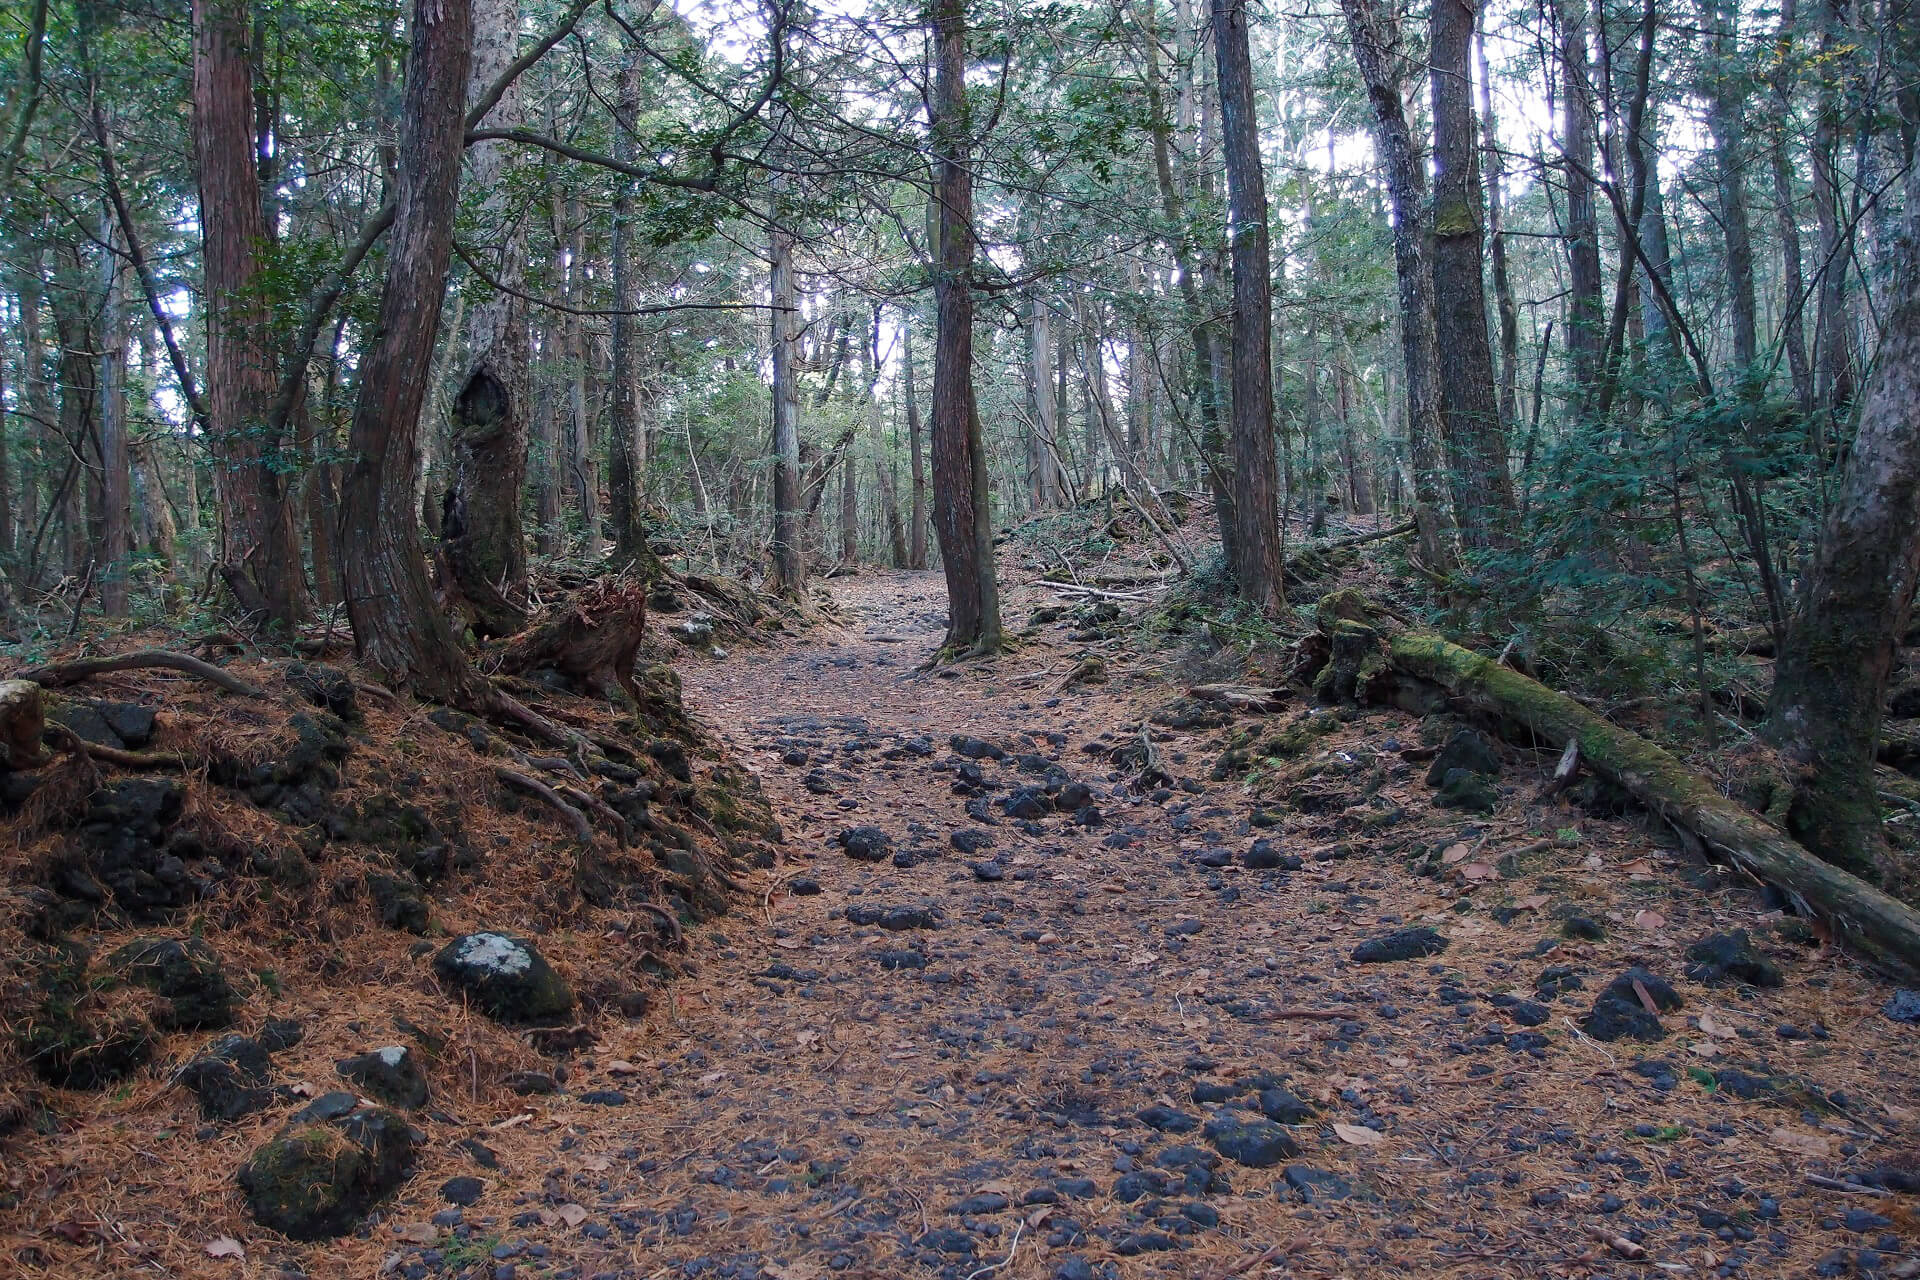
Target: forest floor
(1049,1046)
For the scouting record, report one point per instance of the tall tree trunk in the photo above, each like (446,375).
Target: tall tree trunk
(483,534)
(962,514)
(1470,414)
(397,627)
(36,392)
(917,532)
(1831,676)
(1833,338)
(1586,318)
(73,305)
(789,550)
(260,543)
(1377,45)
(116,459)
(626,433)
(849,512)
(876,443)
(1508,309)
(583,476)
(1255,501)
(1726,95)
(1041,444)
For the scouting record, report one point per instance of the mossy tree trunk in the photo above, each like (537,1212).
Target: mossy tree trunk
(1830,680)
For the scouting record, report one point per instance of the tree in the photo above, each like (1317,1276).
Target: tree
(1255,498)
(481,526)
(789,550)
(1377,48)
(260,543)
(1483,502)
(1830,680)
(398,628)
(962,502)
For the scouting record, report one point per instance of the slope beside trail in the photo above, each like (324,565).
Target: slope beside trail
(1050,1056)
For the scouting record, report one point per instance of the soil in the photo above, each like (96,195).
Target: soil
(1051,1048)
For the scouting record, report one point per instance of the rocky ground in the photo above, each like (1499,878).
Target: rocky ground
(1000,1009)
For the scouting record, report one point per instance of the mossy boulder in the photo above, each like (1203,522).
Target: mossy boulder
(505,977)
(398,904)
(332,1162)
(72,1052)
(391,1074)
(187,976)
(226,1078)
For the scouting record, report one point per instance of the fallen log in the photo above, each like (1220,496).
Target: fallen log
(1885,931)
(1255,699)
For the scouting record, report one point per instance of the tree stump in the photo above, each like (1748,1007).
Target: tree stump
(23,719)
(592,638)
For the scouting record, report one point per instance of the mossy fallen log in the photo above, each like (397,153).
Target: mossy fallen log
(1879,927)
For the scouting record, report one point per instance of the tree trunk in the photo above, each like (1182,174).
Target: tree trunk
(1376,44)
(79,406)
(1726,95)
(849,514)
(1830,679)
(1255,501)
(482,529)
(789,551)
(1586,319)
(1470,414)
(876,442)
(917,531)
(260,543)
(397,627)
(626,433)
(116,459)
(1043,489)
(1504,304)
(962,515)
(1833,340)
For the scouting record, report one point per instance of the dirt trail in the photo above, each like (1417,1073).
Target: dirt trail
(1029,1060)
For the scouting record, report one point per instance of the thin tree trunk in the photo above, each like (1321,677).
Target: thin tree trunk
(877,445)
(79,406)
(1041,467)
(963,517)
(1833,341)
(626,434)
(116,459)
(1586,319)
(1726,96)
(917,524)
(1376,44)
(789,552)
(1503,299)
(1255,501)
(398,629)
(482,527)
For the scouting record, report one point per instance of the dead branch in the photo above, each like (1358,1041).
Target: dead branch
(65,673)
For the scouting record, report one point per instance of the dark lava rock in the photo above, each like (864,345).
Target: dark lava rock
(901,959)
(505,977)
(604,1098)
(1253,1141)
(1618,1011)
(398,904)
(124,835)
(969,840)
(1403,944)
(1467,749)
(1583,929)
(1168,1120)
(186,974)
(71,1052)
(1902,1006)
(1719,957)
(1465,789)
(280,1034)
(948,1240)
(463,1190)
(1262,855)
(226,1078)
(331,1163)
(804,887)
(1555,979)
(1528,1013)
(894,919)
(1282,1107)
(326,687)
(391,1074)
(985,1202)
(1028,803)
(866,844)
(975,748)
(991,872)
(528,1083)
(1073,797)
(1074,1267)
(1213,856)
(1315,1185)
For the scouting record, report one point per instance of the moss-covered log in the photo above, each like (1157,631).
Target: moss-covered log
(1881,928)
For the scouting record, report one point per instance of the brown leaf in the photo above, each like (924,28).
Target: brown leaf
(225,1247)
(1476,872)
(1649,920)
(413,1233)
(571,1214)
(1358,1135)
(1453,853)
(1532,902)
(1800,1142)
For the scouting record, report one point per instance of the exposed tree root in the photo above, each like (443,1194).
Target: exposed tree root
(64,673)
(582,829)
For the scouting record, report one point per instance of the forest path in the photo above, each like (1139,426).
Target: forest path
(1051,1020)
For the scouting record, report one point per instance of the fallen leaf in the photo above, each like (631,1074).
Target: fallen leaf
(619,1067)
(511,1121)
(788,944)
(225,1247)
(1006,1189)
(416,1232)
(1592,862)
(1142,958)
(1649,920)
(1358,1134)
(596,1164)
(1454,853)
(1716,1028)
(1532,902)
(572,1214)
(1478,871)
(1705,1048)
(790,1271)
(1800,1142)
(1399,1062)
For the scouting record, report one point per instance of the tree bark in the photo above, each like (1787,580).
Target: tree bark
(1831,676)
(1483,498)
(1504,304)
(962,514)
(1726,95)
(1255,500)
(398,629)
(482,529)
(789,550)
(1586,319)
(260,542)
(115,513)
(876,442)
(626,432)
(1042,486)
(917,521)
